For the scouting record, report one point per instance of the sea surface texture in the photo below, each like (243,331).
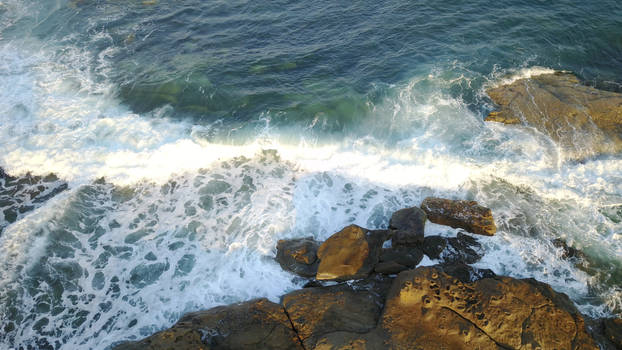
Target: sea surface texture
(185,138)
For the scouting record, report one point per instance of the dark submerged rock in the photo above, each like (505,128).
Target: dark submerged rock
(406,256)
(298,255)
(407,226)
(613,331)
(467,215)
(350,253)
(389,267)
(433,246)
(583,120)
(462,248)
(255,324)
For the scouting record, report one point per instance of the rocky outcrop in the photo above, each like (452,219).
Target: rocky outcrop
(351,253)
(467,215)
(407,226)
(317,312)
(429,309)
(447,306)
(298,255)
(255,324)
(581,119)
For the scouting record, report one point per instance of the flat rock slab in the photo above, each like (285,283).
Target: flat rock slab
(434,310)
(467,215)
(351,253)
(583,120)
(315,312)
(255,324)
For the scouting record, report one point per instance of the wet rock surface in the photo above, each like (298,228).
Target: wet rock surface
(467,215)
(22,194)
(407,226)
(255,324)
(581,119)
(298,255)
(462,248)
(351,253)
(315,312)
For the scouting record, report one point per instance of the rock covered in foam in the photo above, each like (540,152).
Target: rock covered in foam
(468,215)
(350,253)
(583,120)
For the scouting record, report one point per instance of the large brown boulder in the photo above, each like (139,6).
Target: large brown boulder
(581,119)
(467,215)
(407,226)
(255,324)
(317,312)
(429,309)
(298,255)
(351,253)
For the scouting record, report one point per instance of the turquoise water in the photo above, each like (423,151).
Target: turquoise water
(191,136)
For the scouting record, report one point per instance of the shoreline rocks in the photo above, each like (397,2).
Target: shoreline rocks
(583,120)
(450,305)
(467,215)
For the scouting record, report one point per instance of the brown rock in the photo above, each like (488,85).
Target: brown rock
(407,226)
(349,254)
(315,312)
(429,309)
(467,215)
(255,324)
(298,255)
(581,119)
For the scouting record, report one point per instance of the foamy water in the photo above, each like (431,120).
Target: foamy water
(160,220)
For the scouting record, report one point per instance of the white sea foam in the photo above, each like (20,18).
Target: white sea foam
(184,223)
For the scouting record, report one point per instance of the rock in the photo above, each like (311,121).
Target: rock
(298,255)
(407,226)
(389,268)
(349,254)
(433,246)
(568,252)
(315,312)
(465,273)
(613,331)
(255,324)
(429,309)
(462,248)
(467,215)
(406,256)
(583,120)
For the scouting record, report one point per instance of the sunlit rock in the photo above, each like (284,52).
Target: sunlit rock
(583,120)
(349,254)
(467,215)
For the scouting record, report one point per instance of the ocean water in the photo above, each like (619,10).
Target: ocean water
(186,137)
